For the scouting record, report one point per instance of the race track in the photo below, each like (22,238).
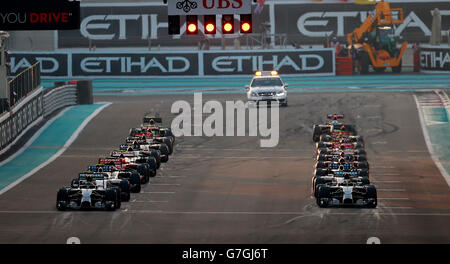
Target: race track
(229,190)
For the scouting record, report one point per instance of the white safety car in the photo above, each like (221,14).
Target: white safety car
(267,86)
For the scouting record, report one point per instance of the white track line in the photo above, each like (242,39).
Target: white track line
(158,192)
(391,190)
(429,145)
(164,184)
(393,198)
(386,181)
(385,174)
(170,176)
(57,154)
(395,207)
(150,201)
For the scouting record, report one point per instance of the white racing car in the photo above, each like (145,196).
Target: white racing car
(267,86)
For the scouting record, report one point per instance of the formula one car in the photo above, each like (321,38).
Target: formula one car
(343,144)
(151,120)
(341,139)
(338,177)
(338,151)
(139,157)
(135,173)
(333,128)
(162,150)
(154,134)
(342,165)
(91,192)
(346,193)
(341,156)
(114,178)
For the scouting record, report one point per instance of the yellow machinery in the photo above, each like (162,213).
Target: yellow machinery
(374,42)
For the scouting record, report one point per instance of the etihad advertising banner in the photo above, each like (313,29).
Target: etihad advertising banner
(152,64)
(311,24)
(141,25)
(145,24)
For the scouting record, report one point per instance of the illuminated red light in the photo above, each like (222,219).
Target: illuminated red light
(246,27)
(192,28)
(228,27)
(210,27)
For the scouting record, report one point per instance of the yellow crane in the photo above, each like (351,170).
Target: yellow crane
(374,42)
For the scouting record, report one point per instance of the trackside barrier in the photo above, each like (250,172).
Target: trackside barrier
(32,110)
(21,117)
(59,97)
(344,66)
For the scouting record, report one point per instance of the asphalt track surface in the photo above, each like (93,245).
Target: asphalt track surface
(229,190)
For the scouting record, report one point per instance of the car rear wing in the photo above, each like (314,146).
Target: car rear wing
(101,168)
(94,175)
(110,161)
(137,140)
(335,116)
(344,173)
(124,153)
(147,119)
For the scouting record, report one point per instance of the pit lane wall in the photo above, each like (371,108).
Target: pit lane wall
(119,63)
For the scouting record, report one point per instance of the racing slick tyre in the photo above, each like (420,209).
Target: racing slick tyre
(157,155)
(62,199)
(321,157)
(317,183)
(169,144)
(135,181)
(321,172)
(361,151)
(317,131)
(351,129)
(119,200)
(74,183)
(365,181)
(371,192)
(325,138)
(124,190)
(363,173)
(323,192)
(320,165)
(111,199)
(153,166)
(144,171)
(364,62)
(133,131)
(362,158)
(363,165)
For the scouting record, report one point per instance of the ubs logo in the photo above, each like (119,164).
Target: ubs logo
(186,5)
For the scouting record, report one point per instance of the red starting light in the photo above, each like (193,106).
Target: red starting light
(246,23)
(227,24)
(210,24)
(191,24)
